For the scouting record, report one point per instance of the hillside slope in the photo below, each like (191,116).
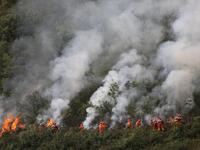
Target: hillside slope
(185,137)
(34,137)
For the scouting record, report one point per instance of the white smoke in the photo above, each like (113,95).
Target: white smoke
(119,28)
(180,61)
(102,32)
(68,70)
(180,58)
(91,114)
(100,97)
(127,69)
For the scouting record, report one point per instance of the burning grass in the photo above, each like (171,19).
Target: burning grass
(11,124)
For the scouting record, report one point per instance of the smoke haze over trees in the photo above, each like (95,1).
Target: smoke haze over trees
(136,58)
(84,61)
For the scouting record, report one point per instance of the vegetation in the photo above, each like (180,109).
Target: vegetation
(185,137)
(7,35)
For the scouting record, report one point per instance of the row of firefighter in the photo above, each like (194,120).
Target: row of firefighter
(11,124)
(156,123)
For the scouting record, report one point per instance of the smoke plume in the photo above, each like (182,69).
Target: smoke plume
(146,53)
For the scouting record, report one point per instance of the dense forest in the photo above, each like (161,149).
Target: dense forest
(68,136)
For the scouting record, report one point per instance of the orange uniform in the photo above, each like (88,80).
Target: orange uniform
(160,125)
(178,119)
(157,124)
(81,127)
(102,127)
(129,124)
(138,123)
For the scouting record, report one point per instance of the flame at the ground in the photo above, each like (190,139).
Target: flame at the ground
(51,123)
(17,124)
(11,124)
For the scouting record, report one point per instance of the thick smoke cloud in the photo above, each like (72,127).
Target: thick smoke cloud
(137,41)
(179,58)
(69,69)
(128,68)
(175,57)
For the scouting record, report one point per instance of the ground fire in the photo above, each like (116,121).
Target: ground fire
(51,124)
(11,124)
(17,124)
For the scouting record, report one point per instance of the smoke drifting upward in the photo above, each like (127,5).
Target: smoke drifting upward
(179,58)
(68,70)
(128,68)
(179,69)
(150,47)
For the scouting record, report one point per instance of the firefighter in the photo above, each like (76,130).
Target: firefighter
(178,120)
(170,120)
(102,127)
(81,127)
(157,124)
(160,125)
(129,124)
(154,124)
(138,123)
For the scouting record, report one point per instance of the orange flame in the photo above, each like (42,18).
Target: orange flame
(17,123)
(6,126)
(51,123)
(10,124)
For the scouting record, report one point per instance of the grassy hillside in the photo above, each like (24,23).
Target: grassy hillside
(185,137)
